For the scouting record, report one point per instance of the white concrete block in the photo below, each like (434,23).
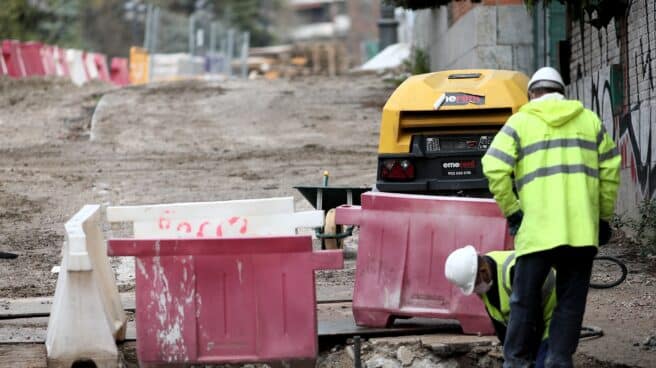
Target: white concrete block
(523,59)
(516,25)
(494,57)
(486,25)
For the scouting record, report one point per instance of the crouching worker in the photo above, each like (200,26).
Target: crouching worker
(490,277)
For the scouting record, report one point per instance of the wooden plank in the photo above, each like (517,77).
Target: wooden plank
(23,355)
(40,306)
(346,327)
(334,294)
(334,319)
(23,330)
(34,330)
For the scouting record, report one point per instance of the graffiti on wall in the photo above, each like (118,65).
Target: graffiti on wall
(632,120)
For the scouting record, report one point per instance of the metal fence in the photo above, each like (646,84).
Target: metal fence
(198,44)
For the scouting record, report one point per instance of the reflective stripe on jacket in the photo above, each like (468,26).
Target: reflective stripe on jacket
(566,172)
(505,260)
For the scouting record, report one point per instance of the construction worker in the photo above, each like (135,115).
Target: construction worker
(490,277)
(566,172)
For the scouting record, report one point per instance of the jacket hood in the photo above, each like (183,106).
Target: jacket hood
(554,112)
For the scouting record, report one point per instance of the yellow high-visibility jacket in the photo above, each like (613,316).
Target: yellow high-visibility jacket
(566,172)
(505,260)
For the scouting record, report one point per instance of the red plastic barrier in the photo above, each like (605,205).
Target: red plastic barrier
(120,72)
(404,242)
(32,58)
(12,57)
(61,66)
(101,64)
(211,301)
(48,60)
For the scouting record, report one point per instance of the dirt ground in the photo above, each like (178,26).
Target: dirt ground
(63,147)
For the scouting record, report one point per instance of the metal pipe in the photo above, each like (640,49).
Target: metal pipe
(230,52)
(149,12)
(192,36)
(212,38)
(155,31)
(245,46)
(357,362)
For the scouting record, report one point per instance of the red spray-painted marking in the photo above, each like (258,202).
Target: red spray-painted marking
(164,223)
(201,228)
(185,225)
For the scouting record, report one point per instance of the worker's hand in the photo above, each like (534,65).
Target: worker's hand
(605,232)
(514,222)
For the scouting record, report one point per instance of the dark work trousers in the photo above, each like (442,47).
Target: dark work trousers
(573,266)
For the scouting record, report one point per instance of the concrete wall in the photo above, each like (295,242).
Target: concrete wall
(599,54)
(476,36)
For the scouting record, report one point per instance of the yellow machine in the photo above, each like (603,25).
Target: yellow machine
(436,127)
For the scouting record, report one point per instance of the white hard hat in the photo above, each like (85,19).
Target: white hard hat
(461,267)
(546,77)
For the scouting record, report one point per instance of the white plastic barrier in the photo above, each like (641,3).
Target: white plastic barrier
(252,217)
(87,316)
(165,66)
(192,66)
(174,66)
(76,66)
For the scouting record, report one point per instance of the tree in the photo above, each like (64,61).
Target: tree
(50,21)
(254,16)
(19,20)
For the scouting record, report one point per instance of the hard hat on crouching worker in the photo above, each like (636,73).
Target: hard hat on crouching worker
(461,268)
(548,78)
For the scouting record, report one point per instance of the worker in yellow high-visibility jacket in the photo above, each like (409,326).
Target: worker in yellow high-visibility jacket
(490,276)
(566,173)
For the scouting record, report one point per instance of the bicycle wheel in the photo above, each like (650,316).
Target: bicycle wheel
(607,272)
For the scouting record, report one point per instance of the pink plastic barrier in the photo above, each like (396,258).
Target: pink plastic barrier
(120,72)
(32,58)
(12,58)
(48,60)
(404,242)
(211,301)
(100,61)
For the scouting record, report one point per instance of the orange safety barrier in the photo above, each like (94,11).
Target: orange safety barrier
(139,69)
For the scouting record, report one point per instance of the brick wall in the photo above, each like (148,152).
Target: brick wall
(459,8)
(614,74)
